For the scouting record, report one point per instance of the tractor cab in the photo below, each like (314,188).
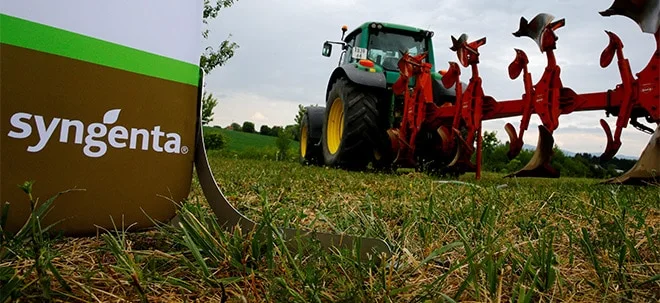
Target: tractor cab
(382,45)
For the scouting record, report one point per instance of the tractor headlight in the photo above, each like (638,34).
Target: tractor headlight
(375,25)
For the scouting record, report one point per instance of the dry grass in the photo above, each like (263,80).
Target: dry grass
(556,240)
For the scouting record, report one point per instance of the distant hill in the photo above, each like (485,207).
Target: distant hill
(239,141)
(572,154)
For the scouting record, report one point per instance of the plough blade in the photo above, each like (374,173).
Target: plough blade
(539,165)
(447,138)
(644,13)
(461,162)
(613,144)
(515,144)
(647,168)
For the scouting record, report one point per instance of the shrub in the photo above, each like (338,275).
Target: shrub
(248,127)
(214,141)
(282,143)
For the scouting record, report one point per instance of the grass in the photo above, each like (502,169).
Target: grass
(497,240)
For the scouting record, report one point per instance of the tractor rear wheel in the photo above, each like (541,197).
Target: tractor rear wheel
(310,136)
(350,127)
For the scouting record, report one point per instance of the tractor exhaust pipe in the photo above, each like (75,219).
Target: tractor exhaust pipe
(647,169)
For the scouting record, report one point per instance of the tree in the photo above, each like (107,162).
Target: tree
(235,126)
(216,58)
(293,131)
(208,103)
(276,130)
(299,115)
(264,130)
(248,127)
(211,59)
(296,127)
(490,141)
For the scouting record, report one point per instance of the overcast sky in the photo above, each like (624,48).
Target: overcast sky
(279,63)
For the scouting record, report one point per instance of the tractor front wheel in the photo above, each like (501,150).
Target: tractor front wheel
(310,136)
(350,128)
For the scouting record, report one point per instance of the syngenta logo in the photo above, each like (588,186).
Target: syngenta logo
(94,137)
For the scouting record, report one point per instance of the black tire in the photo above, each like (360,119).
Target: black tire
(384,155)
(351,146)
(311,129)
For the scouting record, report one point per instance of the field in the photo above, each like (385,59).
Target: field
(250,145)
(496,240)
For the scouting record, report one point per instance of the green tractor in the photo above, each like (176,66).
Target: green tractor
(354,129)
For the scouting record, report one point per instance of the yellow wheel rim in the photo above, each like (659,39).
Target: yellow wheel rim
(335,125)
(303,141)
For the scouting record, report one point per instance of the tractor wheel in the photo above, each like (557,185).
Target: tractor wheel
(384,155)
(350,127)
(310,136)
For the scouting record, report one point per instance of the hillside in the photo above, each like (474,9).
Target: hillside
(572,154)
(250,145)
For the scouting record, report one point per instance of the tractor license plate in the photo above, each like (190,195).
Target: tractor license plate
(359,53)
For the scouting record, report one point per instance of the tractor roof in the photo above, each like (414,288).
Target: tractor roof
(393,26)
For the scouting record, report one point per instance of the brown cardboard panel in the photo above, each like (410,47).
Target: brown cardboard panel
(121,182)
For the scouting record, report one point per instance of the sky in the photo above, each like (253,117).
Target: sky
(278,64)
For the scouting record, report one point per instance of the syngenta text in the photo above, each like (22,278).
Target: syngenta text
(95,136)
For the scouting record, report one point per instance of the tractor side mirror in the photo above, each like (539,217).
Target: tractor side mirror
(327,49)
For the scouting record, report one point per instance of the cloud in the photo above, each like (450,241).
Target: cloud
(259,117)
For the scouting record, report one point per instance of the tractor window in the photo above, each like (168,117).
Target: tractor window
(385,47)
(351,41)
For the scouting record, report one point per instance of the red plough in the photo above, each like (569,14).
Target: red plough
(460,124)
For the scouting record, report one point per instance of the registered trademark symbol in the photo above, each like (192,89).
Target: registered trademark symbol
(184,150)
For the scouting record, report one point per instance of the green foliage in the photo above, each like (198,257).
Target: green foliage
(248,127)
(299,115)
(214,140)
(292,131)
(211,58)
(298,120)
(31,242)
(581,165)
(208,104)
(211,10)
(276,130)
(283,141)
(265,130)
(237,127)
(255,146)
(118,245)
(490,142)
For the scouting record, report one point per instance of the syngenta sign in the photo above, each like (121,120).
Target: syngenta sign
(94,137)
